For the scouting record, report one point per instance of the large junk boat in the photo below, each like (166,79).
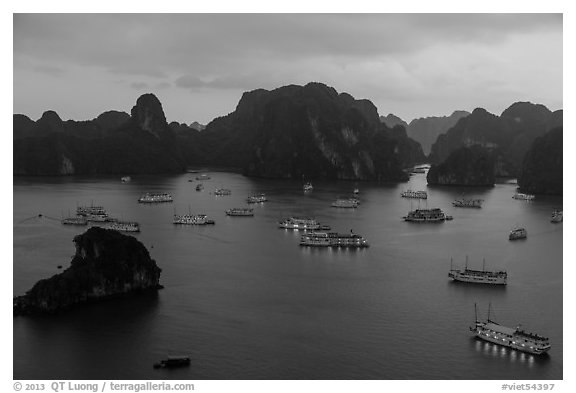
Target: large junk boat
(192,219)
(483,276)
(346,203)
(525,197)
(475,203)
(427,215)
(331,239)
(557,216)
(240,212)
(518,233)
(414,194)
(155,198)
(299,223)
(514,338)
(256,198)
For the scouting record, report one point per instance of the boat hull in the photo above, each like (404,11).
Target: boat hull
(509,344)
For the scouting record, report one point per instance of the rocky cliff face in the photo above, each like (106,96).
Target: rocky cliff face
(308,131)
(542,170)
(392,121)
(106,264)
(466,166)
(113,143)
(508,136)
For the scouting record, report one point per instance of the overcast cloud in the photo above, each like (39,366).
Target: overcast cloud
(198,65)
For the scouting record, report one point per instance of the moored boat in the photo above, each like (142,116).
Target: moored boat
(414,194)
(557,216)
(299,223)
(203,177)
(525,197)
(518,233)
(123,226)
(240,212)
(85,210)
(426,215)
(332,239)
(151,197)
(256,198)
(462,202)
(192,219)
(125,179)
(497,277)
(199,187)
(308,187)
(346,203)
(222,192)
(515,338)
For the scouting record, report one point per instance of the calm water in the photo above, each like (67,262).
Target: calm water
(246,302)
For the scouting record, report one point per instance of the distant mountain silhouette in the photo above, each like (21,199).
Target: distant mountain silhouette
(307,132)
(508,136)
(426,129)
(542,167)
(392,120)
(113,143)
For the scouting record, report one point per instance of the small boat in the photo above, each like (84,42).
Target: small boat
(308,187)
(346,203)
(102,217)
(155,198)
(125,179)
(356,191)
(557,216)
(240,212)
(474,203)
(222,192)
(426,215)
(515,338)
(498,277)
(332,239)
(203,177)
(256,198)
(525,197)
(199,187)
(414,194)
(518,233)
(190,180)
(173,362)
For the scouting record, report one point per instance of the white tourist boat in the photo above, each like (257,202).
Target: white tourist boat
(151,197)
(473,203)
(515,338)
(332,239)
(308,187)
(346,203)
(80,220)
(222,192)
(414,194)
(256,198)
(524,197)
(85,210)
(427,215)
(123,226)
(299,223)
(192,219)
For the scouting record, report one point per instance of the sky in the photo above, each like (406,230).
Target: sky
(198,65)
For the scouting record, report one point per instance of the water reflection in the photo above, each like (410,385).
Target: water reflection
(512,356)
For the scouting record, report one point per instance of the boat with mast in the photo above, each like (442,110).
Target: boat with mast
(497,277)
(515,338)
(302,224)
(434,215)
(256,198)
